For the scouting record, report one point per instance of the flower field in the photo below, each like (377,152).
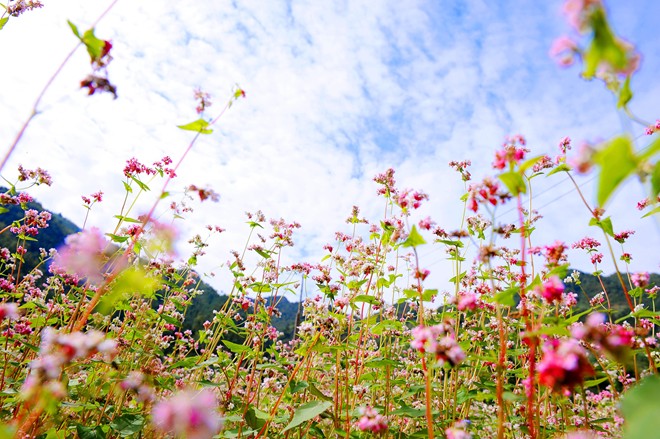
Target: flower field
(93,344)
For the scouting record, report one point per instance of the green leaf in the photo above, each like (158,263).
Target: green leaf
(143,186)
(409,412)
(640,407)
(365,298)
(605,48)
(625,94)
(94,45)
(316,392)
(414,239)
(7,430)
(117,238)
(89,432)
(256,418)
(386,325)
(130,281)
(200,126)
(559,168)
(3,21)
(529,163)
(604,224)
(651,212)
(617,162)
(514,182)
(655,180)
(307,412)
(127,219)
(235,347)
(506,297)
(74,28)
(650,150)
(128,424)
(263,253)
(383,362)
(295,387)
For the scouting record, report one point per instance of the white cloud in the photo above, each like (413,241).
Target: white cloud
(336,92)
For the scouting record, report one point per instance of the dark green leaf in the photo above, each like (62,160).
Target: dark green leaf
(89,432)
(295,387)
(235,347)
(128,424)
(256,418)
(307,412)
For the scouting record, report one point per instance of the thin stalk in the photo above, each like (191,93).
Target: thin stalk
(35,106)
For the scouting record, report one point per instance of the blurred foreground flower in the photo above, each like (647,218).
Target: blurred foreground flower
(564,365)
(82,255)
(189,414)
(372,421)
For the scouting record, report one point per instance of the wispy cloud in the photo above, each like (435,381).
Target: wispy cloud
(336,92)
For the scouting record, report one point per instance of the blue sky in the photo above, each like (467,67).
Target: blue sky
(336,93)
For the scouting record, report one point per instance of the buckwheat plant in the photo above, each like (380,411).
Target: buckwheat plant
(100,335)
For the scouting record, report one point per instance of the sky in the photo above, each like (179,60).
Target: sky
(336,92)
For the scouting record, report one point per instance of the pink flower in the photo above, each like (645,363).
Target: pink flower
(426,223)
(439,341)
(564,364)
(82,255)
(190,414)
(563,51)
(467,301)
(552,289)
(640,280)
(579,12)
(8,311)
(371,420)
(457,431)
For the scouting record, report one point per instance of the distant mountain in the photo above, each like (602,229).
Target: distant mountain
(203,305)
(59,228)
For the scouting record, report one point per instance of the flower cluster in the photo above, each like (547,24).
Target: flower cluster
(371,420)
(512,152)
(564,364)
(439,341)
(190,414)
(60,349)
(615,340)
(83,255)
